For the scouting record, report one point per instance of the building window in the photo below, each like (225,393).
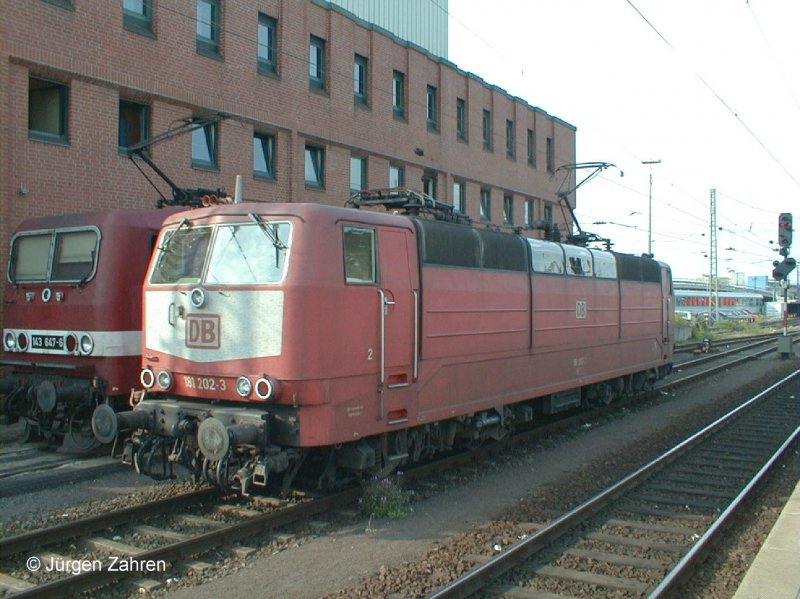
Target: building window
(137,15)
(551,159)
(531,147)
(459,198)
(62,4)
(461,118)
(487,129)
(204,147)
(134,124)
(399,94)
(267,44)
(511,151)
(486,205)
(47,110)
(316,62)
(508,209)
(315,166)
(429,184)
(432,108)
(548,214)
(208,27)
(528,215)
(360,89)
(358,173)
(264,155)
(397,176)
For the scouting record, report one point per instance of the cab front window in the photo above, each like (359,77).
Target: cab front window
(245,254)
(236,254)
(54,256)
(181,255)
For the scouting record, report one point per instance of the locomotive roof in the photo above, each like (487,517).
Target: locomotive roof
(149,218)
(317,212)
(305,211)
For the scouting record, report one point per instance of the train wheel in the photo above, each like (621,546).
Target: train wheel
(79,438)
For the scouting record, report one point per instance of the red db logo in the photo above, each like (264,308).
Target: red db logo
(203,331)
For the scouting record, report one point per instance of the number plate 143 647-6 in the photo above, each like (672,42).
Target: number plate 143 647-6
(47,342)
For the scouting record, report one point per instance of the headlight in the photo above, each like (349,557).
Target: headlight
(165,379)
(22,342)
(243,386)
(197,297)
(72,343)
(148,378)
(9,341)
(268,388)
(87,344)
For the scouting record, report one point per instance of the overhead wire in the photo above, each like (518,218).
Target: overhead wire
(722,100)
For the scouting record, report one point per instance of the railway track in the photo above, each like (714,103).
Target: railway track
(690,347)
(178,546)
(641,536)
(158,538)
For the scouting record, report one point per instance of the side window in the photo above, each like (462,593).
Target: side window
(547,257)
(360,256)
(579,261)
(605,265)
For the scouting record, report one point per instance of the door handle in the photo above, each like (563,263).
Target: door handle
(386,303)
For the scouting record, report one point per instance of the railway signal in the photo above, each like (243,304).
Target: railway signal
(783,268)
(785,230)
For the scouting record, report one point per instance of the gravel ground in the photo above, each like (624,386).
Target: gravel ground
(472,512)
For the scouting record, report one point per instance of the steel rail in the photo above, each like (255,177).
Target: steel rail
(34,539)
(88,580)
(477,578)
(683,569)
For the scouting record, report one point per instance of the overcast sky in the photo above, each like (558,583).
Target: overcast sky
(709,87)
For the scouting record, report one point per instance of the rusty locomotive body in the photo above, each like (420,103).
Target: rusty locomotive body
(286,338)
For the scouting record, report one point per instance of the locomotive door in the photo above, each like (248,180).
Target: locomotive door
(397,308)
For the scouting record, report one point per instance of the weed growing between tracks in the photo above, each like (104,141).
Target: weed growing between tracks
(386,498)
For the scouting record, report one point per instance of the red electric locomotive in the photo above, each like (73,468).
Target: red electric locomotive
(72,336)
(286,338)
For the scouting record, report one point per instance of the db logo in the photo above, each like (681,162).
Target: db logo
(203,331)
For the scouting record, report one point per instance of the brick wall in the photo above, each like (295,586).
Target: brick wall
(87,48)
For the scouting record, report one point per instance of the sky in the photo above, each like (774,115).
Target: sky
(711,88)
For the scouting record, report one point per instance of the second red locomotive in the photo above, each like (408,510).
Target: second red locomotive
(72,336)
(281,338)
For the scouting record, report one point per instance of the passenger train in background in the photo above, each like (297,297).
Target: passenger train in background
(72,318)
(286,340)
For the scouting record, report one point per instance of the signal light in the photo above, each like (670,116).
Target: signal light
(782,269)
(785,229)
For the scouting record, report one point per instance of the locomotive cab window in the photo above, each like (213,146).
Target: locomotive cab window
(30,258)
(360,259)
(547,257)
(243,254)
(579,261)
(54,256)
(181,255)
(237,254)
(74,256)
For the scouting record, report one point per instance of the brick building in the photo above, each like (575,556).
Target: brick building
(322,102)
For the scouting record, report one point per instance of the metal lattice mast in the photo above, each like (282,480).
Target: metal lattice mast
(713,277)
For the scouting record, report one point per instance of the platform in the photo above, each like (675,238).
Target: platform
(775,573)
